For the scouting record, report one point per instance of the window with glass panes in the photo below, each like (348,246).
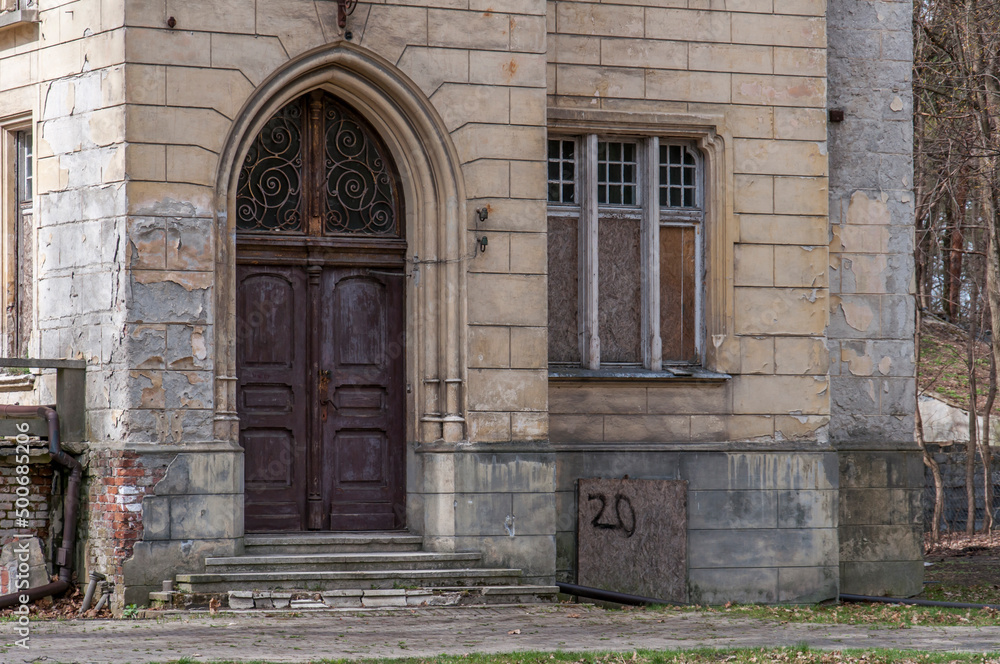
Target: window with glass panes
(625,230)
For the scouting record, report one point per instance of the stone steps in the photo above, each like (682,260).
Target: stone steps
(332,562)
(309,600)
(256,545)
(346,580)
(317,571)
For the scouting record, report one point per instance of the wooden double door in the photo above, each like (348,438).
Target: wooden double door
(321,395)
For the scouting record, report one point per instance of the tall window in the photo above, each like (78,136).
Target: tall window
(20,250)
(626,219)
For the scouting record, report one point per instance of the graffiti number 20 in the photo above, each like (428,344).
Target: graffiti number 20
(624,514)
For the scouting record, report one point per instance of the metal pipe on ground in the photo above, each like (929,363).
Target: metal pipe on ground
(612,596)
(64,555)
(88,596)
(105,597)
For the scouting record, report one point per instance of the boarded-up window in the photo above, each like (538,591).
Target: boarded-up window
(20,312)
(616,206)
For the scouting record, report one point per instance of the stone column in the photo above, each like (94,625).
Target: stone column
(872,384)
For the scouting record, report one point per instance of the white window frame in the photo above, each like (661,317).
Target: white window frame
(587,211)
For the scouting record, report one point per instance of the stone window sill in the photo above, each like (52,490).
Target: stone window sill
(678,374)
(18,17)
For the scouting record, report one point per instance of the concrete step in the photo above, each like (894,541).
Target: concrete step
(354,598)
(331,562)
(264,544)
(342,580)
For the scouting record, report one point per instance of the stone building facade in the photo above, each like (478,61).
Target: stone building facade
(615,240)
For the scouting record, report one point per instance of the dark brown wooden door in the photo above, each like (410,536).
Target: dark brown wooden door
(273,393)
(361,391)
(320,318)
(322,401)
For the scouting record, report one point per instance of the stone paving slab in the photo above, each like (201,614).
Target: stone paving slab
(426,632)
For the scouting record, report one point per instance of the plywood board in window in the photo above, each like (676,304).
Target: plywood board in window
(677,293)
(564,277)
(619,289)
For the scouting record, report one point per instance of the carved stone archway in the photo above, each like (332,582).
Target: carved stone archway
(433,190)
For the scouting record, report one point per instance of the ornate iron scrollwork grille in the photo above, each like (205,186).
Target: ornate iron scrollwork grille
(359,181)
(318,139)
(269,195)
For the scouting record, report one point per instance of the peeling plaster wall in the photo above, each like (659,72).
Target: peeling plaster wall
(64,77)
(484,74)
(870,336)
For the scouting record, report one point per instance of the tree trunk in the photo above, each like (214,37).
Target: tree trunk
(929,459)
(970,448)
(985,453)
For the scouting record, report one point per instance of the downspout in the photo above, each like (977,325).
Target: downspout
(64,555)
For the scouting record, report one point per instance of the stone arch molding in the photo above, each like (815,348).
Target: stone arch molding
(434,196)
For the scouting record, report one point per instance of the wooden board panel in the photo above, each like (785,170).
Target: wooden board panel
(632,537)
(564,277)
(677,293)
(619,290)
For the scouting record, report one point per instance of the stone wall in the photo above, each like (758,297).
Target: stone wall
(752,443)
(872,386)
(757,75)
(761,525)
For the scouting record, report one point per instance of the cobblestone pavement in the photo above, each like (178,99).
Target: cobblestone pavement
(425,632)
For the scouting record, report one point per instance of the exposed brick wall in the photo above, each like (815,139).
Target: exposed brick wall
(117,481)
(40,499)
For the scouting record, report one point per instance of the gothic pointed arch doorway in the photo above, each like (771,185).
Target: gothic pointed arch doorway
(320,322)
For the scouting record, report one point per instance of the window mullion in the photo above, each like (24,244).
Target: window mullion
(590,343)
(649,172)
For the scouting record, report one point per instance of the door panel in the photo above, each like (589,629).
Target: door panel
(363,401)
(273,393)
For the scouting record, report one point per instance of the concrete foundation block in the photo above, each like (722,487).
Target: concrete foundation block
(732,509)
(241,600)
(343,599)
(383,598)
(882,579)
(418,597)
(746,585)
(807,585)
(763,548)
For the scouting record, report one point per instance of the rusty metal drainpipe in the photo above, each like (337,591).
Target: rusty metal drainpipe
(64,555)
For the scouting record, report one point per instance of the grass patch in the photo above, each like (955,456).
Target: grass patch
(799,655)
(980,593)
(893,616)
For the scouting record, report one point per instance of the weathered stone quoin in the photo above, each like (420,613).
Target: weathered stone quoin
(689,273)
